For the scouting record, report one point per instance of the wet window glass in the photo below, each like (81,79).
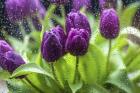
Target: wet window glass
(70,46)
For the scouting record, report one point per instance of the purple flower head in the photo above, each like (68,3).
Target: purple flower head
(104,4)
(52,47)
(18,9)
(59,1)
(109,24)
(60,33)
(77,42)
(10,61)
(77,20)
(77,4)
(4,47)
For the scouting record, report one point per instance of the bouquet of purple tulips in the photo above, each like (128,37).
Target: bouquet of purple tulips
(78,52)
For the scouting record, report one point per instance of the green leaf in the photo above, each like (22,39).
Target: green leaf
(134,65)
(61,70)
(40,82)
(92,66)
(93,23)
(70,61)
(67,88)
(46,84)
(120,79)
(116,61)
(131,53)
(75,87)
(28,69)
(19,86)
(137,88)
(128,44)
(16,44)
(128,14)
(39,76)
(20,46)
(35,43)
(38,59)
(54,85)
(4,75)
(97,38)
(94,88)
(134,76)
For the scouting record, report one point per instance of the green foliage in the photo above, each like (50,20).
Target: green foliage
(94,88)
(126,17)
(4,75)
(120,79)
(19,86)
(124,66)
(27,69)
(96,64)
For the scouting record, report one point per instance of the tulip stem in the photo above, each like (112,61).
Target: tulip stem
(21,29)
(34,86)
(108,57)
(63,15)
(76,76)
(53,71)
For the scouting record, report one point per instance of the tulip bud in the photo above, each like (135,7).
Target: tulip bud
(10,61)
(77,20)
(60,33)
(109,24)
(19,9)
(4,47)
(52,47)
(77,42)
(77,4)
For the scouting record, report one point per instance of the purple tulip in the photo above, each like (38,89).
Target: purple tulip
(77,4)
(109,24)
(10,61)
(18,9)
(77,42)
(4,47)
(60,32)
(52,47)
(77,20)
(59,1)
